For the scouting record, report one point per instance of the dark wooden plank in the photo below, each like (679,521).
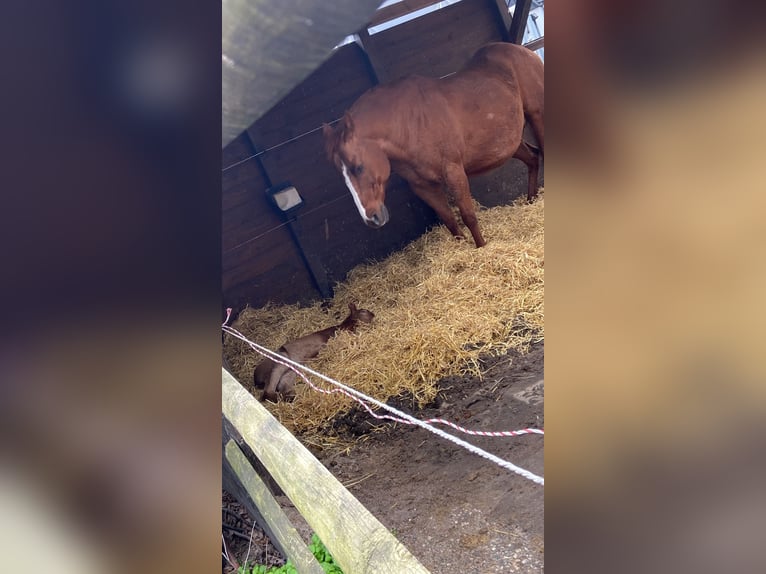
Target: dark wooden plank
(260,261)
(247,213)
(322,97)
(243,232)
(519,22)
(503,17)
(263,252)
(237,150)
(536,44)
(237,193)
(304,164)
(247,196)
(248,221)
(436,44)
(241,180)
(236,182)
(502,185)
(285,283)
(272,278)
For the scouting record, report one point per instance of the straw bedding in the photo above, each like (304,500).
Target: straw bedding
(439,306)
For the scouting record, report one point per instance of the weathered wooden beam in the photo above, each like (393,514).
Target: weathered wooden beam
(358,542)
(519,22)
(280,529)
(536,44)
(225,362)
(228,432)
(269,46)
(503,17)
(231,484)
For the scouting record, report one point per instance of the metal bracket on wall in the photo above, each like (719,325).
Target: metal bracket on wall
(310,259)
(288,202)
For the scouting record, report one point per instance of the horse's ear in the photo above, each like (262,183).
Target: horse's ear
(327,131)
(330,141)
(347,126)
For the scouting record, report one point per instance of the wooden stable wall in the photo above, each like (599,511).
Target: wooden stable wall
(267,259)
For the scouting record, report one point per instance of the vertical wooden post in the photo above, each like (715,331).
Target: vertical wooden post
(519,22)
(312,261)
(503,18)
(270,515)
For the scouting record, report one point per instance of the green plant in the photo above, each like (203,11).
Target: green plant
(287,568)
(323,556)
(317,548)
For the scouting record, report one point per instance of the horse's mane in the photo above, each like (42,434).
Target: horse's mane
(411,109)
(336,135)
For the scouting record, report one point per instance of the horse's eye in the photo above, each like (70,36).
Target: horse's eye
(357,170)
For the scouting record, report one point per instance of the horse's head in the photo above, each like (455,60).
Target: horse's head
(363,315)
(364,166)
(356,316)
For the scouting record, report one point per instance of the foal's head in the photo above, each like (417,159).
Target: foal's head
(360,315)
(364,166)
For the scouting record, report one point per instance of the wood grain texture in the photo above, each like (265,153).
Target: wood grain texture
(397,10)
(358,542)
(280,530)
(321,98)
(259,257)
(436,44)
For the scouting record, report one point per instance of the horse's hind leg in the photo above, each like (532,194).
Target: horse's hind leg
(457,183)
(262,373)
(270,392)
(531,158)
(535,121)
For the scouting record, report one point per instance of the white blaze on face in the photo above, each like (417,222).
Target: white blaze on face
(354,193)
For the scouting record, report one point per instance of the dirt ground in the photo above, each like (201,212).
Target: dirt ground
(454,510)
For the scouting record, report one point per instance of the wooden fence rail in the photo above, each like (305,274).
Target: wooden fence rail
(358,542)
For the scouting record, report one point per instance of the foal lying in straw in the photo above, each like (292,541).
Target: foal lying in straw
(278,381)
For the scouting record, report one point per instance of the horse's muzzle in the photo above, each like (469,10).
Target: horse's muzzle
(378,219)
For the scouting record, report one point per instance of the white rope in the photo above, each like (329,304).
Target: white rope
(275,146)
(471,448)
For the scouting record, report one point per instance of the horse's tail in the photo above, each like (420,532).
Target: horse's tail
(530,76)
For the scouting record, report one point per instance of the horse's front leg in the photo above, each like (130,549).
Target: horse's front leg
(457,183)
(437,200)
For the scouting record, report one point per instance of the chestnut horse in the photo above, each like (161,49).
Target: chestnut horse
(436,132)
